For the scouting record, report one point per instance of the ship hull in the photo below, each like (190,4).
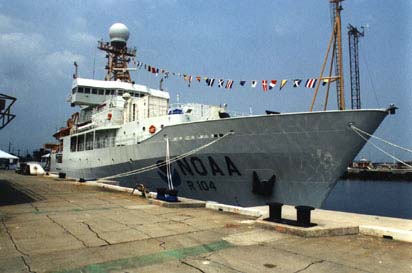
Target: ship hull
(288,158)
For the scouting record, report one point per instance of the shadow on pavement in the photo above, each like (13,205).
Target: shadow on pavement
(12,196)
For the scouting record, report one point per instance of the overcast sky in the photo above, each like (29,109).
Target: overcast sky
(240,40)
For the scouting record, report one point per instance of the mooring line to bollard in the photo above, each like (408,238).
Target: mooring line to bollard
(359,131)
(155,166)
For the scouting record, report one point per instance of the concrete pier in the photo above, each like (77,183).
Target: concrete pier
(54,225)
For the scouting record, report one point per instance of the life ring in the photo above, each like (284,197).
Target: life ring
(109,116)
(152,129)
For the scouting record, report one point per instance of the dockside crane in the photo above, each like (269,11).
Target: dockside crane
(353,37)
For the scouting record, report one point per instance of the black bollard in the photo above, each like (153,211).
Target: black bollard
(172,195)
(161,193)
(303,215)
(275,211)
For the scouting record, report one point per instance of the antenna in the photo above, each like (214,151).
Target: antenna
(76,66)
(118,55)
(94,64)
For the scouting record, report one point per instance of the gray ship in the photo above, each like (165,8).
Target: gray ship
(129,133)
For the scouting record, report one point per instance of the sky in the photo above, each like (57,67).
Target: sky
(239,40)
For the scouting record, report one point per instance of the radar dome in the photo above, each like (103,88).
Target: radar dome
(119,33)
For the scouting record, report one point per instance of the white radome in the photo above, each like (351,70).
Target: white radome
(126,96)
(119,32)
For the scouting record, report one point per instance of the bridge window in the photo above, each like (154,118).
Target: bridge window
(80,90)
(74,90)
(87,90)
(101,91)
(107,92)
(94,91)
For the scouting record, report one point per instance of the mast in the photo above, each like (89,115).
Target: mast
(335,43)
(338,57)
(118,55)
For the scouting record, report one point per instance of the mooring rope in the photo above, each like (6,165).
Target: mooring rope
(359,131)
(381,139)
(164,163)
(168,169)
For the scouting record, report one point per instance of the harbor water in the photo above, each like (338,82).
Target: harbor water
(383,198)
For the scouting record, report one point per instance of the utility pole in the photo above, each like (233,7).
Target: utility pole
(353,35)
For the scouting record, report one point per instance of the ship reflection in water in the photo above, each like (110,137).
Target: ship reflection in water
(384,198)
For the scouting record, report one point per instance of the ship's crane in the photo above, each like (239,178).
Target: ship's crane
(335,43)
(336,8)
(353,36)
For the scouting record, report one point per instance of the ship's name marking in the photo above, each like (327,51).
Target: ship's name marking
(194,165)
(201,185)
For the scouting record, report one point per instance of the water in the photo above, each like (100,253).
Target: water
(384,198)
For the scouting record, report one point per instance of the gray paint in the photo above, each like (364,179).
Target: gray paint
(306,151)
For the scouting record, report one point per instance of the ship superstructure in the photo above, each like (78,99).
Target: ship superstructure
(124,130)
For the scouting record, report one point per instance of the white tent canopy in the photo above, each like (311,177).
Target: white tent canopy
(4,155)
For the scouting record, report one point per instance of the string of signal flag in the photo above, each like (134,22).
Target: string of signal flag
(228,83)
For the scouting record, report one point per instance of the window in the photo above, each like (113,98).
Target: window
(94,91)
(59,158)
(80,142)
(101,91)
(87,90)
(73,143)
(119,92)
(74,90)
(89,141)
(112,91)
(107,92)
(80,90)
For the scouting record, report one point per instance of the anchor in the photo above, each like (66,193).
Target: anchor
(264,187)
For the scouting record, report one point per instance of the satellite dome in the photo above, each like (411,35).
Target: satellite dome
(126,96)
(119,33)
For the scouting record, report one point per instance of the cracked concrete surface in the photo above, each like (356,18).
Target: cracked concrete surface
(77,228)
(23,255)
